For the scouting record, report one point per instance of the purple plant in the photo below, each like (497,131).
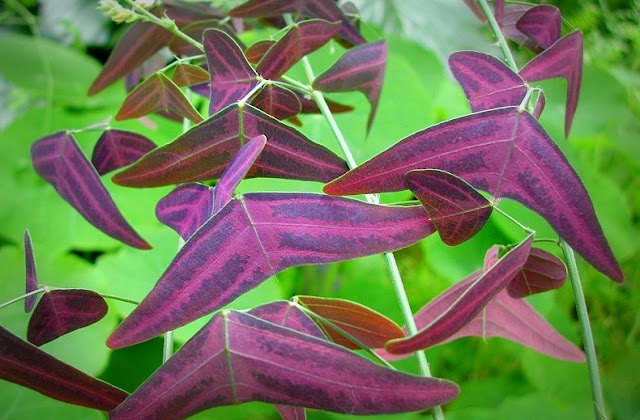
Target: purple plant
(300,354)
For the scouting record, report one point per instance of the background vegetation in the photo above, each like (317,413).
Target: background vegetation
(51,50)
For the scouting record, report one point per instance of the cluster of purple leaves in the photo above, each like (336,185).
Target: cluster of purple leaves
(232,244)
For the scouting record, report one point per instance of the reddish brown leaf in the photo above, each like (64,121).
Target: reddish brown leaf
(542,24)
(189,75)
(543,271)
(255,52)
(118,148)
(279,102)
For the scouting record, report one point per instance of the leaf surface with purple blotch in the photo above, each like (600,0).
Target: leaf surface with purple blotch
(360,68)
(31,276)
(543,271)
(237,358)
(542,24)
(59,160)
(189,75)
(562,59)
(456,209)
(118,148)
(301,39)
(60,312)
(506,153)
(157,93)
(468,304)
(487,82)
(186,208)
(24,364)
(277,101)
(203,152)
(369,327)
(256,236)
(232,77)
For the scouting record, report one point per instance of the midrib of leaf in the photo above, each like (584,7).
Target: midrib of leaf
(257,235)
(227,354)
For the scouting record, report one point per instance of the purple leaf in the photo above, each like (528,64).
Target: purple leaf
(236,171)
(456,209)
(256,236)
(255,52)
(288,314)
(487,82)
(60,312)
(475,8)
(542,24)
(277,101)
(152,65)
(506,153)
(237,358)
(204,151)
(27,365)
(58,159)
(300,40)
(288,412)
(186,208)
(468,304)
(498,10)
(141,41)
(196,31)
(562,59)
(31,276)
(539,106)
(321,9)
(157,93)
(543,271)
(504,316)
(118,148)
(512,14)
(232,77)
(189,75)
(309,106)
(360,68)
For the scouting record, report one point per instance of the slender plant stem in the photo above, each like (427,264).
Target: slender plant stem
(19,298)
(121,299)
(574,276)
(587,336)
(396,279)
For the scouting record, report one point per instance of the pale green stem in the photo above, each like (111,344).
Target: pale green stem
(396,279)
(574,276)
(508,216)
(587,336)
(260,85)
(47,288)
(19,298)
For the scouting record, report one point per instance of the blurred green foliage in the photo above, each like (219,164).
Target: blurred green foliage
(43,80)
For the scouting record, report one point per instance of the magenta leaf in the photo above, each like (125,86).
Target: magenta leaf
(504,316)
(487,82)
(237,358)
(141,41)
(562,59)
(255,52)
(27,365)
(288,412)
(189,75)
(321,9)
(62,311)
(543,271)
(118,148)
(542,24)
(498,10)
(468,304)
(186,208)
(300,40)
(31,276)
(506,153)
(360,68)
(232,77)
(279,102)
(155,94)
(309,106)
(203,152)
(512,15)
(256,236)
(288,314)
(456,209)
(59,160)
(537,111)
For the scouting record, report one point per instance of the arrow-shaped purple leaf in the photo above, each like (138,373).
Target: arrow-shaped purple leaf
(60,312)
(301,39)
(562,59)
(116,149)
(31,276)
(543,271)
(321,9)
(237,358)
(26,365)
(232,77)
(487,82)
(506,153)
(468,304)
(456,209)
(360,68)
(256,236)
(542,24)
(60,161)
(203,152)
(277,101)
(155,94)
